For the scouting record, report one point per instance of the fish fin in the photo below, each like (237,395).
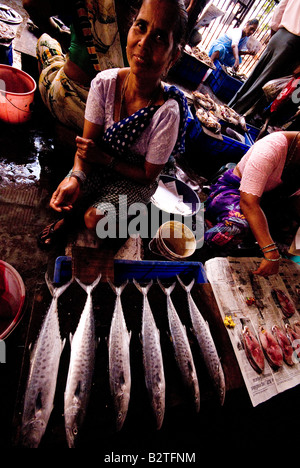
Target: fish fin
(38,403)
(78,389)
(70,338)
(56,291)
(117,289)
(89,287)
(122,378)
(186,287)
(143,289)
(168,290)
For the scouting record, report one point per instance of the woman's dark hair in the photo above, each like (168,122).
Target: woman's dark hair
(253,21)
(180,27)
(180,33)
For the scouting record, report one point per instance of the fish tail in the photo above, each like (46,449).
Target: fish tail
(89,287)
(118,289)
(56,292)
(168,290)
(143,289)
(186,287)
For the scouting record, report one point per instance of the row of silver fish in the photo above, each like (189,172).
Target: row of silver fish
(206,343)
(152,358)
(278,345)
(41,385)
(81,368)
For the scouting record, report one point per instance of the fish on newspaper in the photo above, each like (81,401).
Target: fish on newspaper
(271,348)
(253,350)
(183,353)
(293,335)
(152,358)
(206,344)
(41,384)
(81,367)
(119,359)
(286,304)
(296,326)
(284,344)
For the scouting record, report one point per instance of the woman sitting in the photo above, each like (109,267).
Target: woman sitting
(228,49)
(271,168)
(132,122)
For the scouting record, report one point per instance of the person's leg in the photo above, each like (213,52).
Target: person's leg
(91,217)
(64,98)
(227,232)
(280,57)
(215,55)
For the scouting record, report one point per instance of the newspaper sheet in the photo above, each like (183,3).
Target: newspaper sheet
(233,284)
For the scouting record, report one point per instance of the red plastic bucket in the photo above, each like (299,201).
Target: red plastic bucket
(17,90)
(12,297)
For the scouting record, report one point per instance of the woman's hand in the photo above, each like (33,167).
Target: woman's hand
(65,195)
(267,268)
(250,207)
(87,150)
(236,65)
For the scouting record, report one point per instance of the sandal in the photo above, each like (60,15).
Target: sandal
(49,235)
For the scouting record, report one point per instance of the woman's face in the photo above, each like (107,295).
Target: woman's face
(250,29)
(150,40)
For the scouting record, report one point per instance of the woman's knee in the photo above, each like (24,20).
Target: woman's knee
(91,217)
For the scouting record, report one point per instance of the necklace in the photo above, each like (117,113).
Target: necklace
(124,89)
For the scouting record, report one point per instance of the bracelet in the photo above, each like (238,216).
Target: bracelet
(273,259)
(271,250)
(112,163)
(269,245)
(79,175)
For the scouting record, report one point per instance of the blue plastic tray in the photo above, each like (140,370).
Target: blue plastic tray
(223,85)
(145,270)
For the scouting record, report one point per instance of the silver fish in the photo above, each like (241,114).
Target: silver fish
(206,344)
(119,360)
(183,353)
(81,367)
(41,384)
(152,358)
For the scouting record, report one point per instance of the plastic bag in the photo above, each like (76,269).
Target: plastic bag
(285,94)
(272,88)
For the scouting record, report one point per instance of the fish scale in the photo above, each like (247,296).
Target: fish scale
(152,358)
(183,353)
(41,383)
(81,367)
(119,360)
(206,343)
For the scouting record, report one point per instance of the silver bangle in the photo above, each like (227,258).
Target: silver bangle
(269,245)
(273,259)
(270,250)
(79,175)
